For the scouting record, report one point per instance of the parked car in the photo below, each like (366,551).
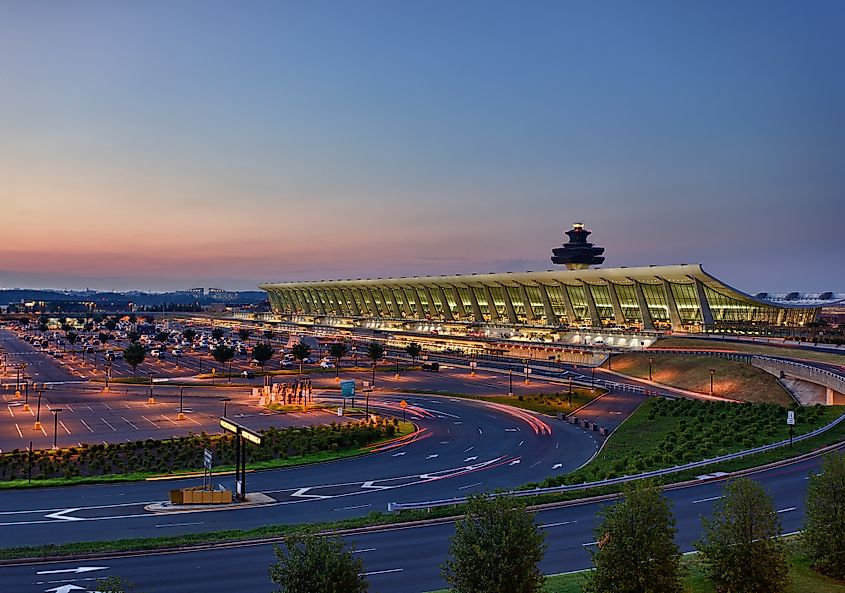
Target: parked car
(248,375)
(326,364)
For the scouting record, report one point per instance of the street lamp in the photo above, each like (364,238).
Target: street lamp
(55,424)
(650,362)
(38,411)
(712,372)
(26,400)
(570,391)
(181,415)
(510,382)
(226,400)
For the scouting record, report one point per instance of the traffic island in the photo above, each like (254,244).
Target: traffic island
(253,499)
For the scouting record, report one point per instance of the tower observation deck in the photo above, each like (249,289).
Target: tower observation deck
(578,254)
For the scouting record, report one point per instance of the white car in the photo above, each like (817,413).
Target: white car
(326,364)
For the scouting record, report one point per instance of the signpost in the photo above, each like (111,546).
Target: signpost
(367,390)
(790,420)
(347,389)
(472,365)
(207,458)
(403,404)
(242,434)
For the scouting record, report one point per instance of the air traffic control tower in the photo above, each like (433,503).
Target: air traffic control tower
(578,254)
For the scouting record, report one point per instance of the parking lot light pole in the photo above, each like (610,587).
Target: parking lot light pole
(650,362)
(38,411)
(510,382)
(55,425)
(26,398)
(226,401)
(712,372)
(181,415)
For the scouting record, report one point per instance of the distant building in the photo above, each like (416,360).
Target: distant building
(197,292)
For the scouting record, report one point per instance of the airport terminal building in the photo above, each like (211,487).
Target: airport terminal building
(678,297)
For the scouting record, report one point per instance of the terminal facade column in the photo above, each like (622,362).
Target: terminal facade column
(431,304)
(618,314)
(595,320)
(491,304)
(418,302)
(347,292)
(571,317)
(462,310)
(648,323)
(526,301)
(476,308)
(674,315)
(703,304)
(509,308)
(447,309)
(551,318)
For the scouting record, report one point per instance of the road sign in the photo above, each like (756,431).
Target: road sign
(247,433)
(527,370)
(347,388)
(206,458)
(790,418)
(403,404)
(367,387)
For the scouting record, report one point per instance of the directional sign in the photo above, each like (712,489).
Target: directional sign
(790,418)
(206,458)
(247,433)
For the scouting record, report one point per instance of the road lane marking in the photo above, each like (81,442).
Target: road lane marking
(362,550)
(359,506)
(712,498)
(107,424)
(432,456)
(178,524)
(468,449)
(557,465)
(20,434)
(558,524)
(786,510)
(85,424)
(63,426)
(76,570)
(470,485)
(367,574)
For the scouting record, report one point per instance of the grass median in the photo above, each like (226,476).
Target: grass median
(545,403)
(751,348)
(731,379)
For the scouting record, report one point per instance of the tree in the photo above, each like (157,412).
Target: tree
(741,549)
(189,334)
(315,564)
(134,355)
(262,352)
(223,354)
(337,350)
(114,585)
(104,337)
(300,352)
(66,327)
(497,548)
(132,318)
(636,550)
(217,333)
(268,334)
(824,521)
(413,349)
(375,352)
(243,334)
(133,336)
(71,338)
(110,324)
(162,337)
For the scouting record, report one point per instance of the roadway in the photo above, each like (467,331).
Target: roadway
(464,446)
(396,559)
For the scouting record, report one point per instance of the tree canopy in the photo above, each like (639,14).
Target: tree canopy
(741,549)
(824,521)
(497,548)
(315,564)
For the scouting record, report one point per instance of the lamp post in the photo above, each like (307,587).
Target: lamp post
(18,367)
(226,401)
(510,382)
(181,415)
(26,398)
(38,412)
(650,362)
(592,377)
(570,391)
(397,368)
(712,372)
(55,424)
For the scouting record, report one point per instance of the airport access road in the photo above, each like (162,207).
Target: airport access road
(398,559)
(464,446)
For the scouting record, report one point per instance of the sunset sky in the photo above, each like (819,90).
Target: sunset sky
(158,145)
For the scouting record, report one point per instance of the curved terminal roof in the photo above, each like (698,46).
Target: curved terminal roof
(681,273)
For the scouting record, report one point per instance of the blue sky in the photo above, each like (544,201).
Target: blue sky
(159,145)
